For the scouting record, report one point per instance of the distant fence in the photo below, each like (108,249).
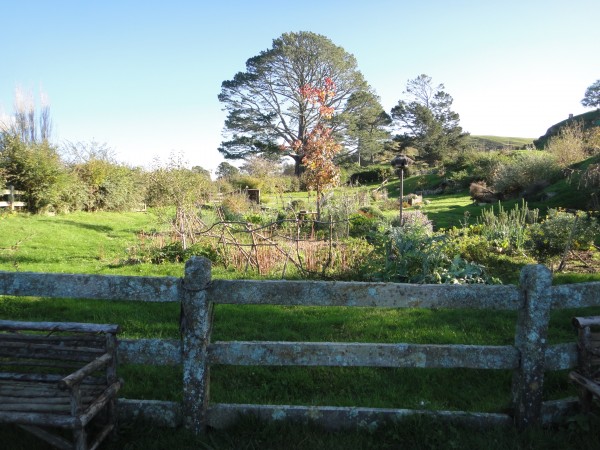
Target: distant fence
(528,358)
(10,196)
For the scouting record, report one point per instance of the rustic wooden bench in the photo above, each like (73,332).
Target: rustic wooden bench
(59,378)
(587,375)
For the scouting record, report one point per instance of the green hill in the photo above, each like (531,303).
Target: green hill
(589,119)
(499,142)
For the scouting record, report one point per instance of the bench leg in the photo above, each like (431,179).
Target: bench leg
(585,400)
(80,439)
(53,439)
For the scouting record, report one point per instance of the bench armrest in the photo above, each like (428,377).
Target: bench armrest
(582,322)
(76,377)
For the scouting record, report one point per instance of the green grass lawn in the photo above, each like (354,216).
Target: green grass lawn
(97,243)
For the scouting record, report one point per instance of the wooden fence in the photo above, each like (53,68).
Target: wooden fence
(10,194)
(528,358)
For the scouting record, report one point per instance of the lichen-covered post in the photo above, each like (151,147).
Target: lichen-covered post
(196,324)
(530,340)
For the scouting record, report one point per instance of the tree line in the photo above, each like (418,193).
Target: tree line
(85,176)
(268,115)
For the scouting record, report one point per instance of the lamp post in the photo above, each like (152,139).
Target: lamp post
(399,163)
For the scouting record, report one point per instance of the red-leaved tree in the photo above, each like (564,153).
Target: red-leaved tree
(319,147)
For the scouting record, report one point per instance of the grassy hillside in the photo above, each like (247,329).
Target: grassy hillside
(588,119)
(499,142)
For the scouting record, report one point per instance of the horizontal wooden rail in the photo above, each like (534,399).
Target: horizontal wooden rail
(4,204)
(159,352)
(155,352)
(362,355)
(11,325)
(11,203)
(363,294)
(222,415)
(579,295)
(100,287)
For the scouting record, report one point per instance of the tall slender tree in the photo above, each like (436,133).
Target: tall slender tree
(267,111)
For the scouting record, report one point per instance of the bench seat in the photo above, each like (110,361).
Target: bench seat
(59,375)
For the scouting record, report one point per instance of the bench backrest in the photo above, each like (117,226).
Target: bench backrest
(52,349)
(588,345)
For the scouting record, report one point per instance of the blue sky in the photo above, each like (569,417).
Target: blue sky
(143,76)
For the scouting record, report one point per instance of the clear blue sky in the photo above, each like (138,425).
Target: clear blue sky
(143,76)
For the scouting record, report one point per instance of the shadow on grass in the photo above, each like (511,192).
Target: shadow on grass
(454,216)
(16,258)
(87,226)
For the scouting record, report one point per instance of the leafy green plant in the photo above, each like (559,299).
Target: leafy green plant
(507,230)
(36,168)
(157,252)
(469,243)
(414,218)
(561,230)
(462,271)
(362,225)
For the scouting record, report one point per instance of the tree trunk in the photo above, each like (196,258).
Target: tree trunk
(298,166)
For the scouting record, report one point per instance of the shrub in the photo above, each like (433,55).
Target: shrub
(560,229)
(246,181)
(362,225)
(590,178)
(524,170)
(462,271)
(35,168)
(346,260)
(482,166)
(507,230)
(414,218)
(235,206)
(460,178)
(379,195)
(481,193)
(415,254)
(298,205)
(109,186)
(389,205)
(175,185)
(569,146)
(373,174)
(173,252)
(371,212)
(255,218)
(468,243)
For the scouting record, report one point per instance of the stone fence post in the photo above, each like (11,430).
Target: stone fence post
(196,325)
(530,339)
